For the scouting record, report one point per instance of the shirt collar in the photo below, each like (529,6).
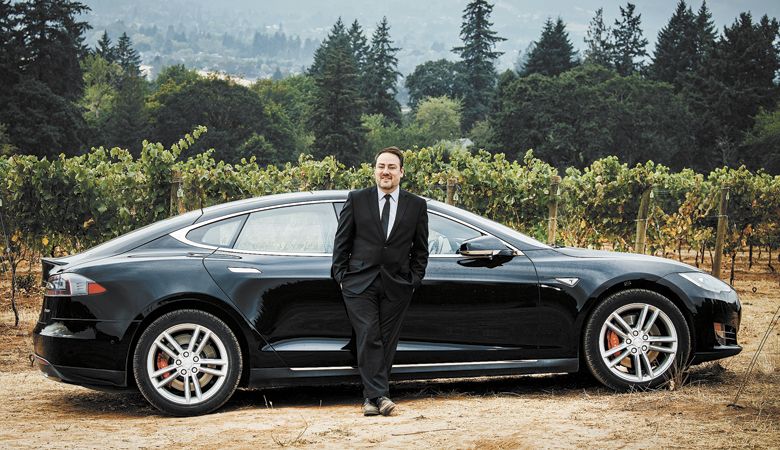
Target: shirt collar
(393,194)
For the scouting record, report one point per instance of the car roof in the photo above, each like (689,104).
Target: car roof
(224,209)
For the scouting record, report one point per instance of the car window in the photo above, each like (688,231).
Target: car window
(446,235)
(294,229)
(219,234)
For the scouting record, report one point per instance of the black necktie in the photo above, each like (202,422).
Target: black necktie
(386,214)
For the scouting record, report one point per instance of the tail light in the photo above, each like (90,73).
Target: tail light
(71,285)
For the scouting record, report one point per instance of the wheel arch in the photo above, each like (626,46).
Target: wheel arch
(635,283)
(200,302)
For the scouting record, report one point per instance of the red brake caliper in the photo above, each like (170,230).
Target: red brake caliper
(162,362)
(612,339)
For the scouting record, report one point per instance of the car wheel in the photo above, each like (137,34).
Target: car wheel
(187,362)
(636,339)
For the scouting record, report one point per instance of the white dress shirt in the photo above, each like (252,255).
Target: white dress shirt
(393,207)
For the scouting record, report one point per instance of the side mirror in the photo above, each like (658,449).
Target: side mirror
(484,247)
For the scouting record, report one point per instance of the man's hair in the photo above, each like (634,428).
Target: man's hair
(394,150)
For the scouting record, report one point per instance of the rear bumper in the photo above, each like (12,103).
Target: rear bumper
(88,353)
(100,379)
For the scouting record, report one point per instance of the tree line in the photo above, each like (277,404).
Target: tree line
(702,100)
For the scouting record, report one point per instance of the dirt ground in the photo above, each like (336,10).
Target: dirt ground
(496,413)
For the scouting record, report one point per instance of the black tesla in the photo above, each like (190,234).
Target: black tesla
(192,307)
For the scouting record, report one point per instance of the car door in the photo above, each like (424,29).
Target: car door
(278,268)
(469,309)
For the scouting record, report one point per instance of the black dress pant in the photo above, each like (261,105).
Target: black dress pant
(377,323)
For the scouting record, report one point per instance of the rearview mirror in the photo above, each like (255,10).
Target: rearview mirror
(484,247)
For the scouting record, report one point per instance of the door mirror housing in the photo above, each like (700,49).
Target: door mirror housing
(484,247)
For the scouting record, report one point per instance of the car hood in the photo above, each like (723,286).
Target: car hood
(633,257)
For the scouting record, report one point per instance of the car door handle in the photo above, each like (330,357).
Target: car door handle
(244,270)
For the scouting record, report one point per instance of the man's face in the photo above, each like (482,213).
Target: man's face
(388,172)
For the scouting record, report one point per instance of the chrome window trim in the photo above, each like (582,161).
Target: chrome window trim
(181,235)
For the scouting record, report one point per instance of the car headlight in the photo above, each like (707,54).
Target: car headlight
(706,282)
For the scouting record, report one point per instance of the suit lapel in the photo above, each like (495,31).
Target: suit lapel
(373,206)
(403,202)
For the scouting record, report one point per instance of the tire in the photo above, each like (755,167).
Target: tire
(166,368)
(624,354)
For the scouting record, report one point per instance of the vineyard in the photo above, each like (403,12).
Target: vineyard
(67,204)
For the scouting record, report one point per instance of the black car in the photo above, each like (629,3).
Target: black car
(240,294)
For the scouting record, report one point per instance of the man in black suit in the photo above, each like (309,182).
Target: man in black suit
(379,258)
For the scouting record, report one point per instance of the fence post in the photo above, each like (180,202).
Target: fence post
(451,185)
(552,223)
(177,201)
(720,237)
(641,221)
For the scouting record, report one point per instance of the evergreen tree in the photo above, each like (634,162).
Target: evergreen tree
(553,53)
(10,58)
(361,51)
(478,55)
(335,115)
(382,75)
(675,49)
(104,48)
(736,81)
(53,44)
(706,34)
(337,33)
(598,38)
(128,121)
(629,45)
(127,57)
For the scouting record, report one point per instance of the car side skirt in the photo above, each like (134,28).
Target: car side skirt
(266,377)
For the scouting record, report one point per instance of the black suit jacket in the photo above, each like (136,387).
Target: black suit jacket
(360,251)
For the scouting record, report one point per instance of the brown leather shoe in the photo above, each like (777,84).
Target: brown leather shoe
(385,405)
(370,408)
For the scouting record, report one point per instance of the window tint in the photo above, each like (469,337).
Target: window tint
(219,234)
(293,229)
(445,235)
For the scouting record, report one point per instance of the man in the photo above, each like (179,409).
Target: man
(379,258)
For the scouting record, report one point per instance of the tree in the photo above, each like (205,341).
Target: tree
(335,116)
(128,123)
(435,79)
(736,81)
(628,43)
(439,118)
(706,35)
(382,75)
(53,44)
(337,33)
(231,112)
(361,50)
(294,95)
(762,143)
(590,112)
(40,122)
(478,55)
(104,48)
(553,53)
(127,57)
(100,91)
(10,45)
(675,49)
(599,41)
